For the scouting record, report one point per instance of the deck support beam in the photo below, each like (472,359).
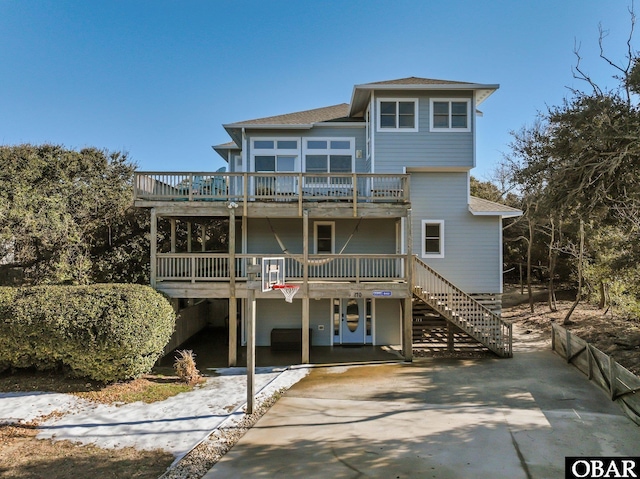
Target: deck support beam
(153,247)
(233,304)
(407,317)
(305,288)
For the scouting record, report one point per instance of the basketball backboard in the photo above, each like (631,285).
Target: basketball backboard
(272,272)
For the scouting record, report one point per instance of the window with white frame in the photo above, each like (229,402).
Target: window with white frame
(324,237)
(432,238)
(397,114)
(450,114)
(329,155)
(275,155)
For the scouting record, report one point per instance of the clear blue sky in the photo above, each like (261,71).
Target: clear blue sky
(158,78)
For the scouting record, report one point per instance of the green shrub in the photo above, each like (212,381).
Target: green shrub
(107,332)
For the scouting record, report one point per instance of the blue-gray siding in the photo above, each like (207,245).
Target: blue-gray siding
(395,150)
(277,313)
(472,244)
(373,236)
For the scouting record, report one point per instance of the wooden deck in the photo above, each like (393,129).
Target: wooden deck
(263,194)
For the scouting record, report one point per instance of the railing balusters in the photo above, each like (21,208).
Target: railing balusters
(294,187)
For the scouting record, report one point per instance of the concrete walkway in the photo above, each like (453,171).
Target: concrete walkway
(484,418)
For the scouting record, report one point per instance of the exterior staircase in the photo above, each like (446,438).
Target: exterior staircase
(446,302)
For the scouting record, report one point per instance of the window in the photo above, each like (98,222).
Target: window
(275,155)
(450,115)
(329,155)
(432,239)
(324,237)
(397,114)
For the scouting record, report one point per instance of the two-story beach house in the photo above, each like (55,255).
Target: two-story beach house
(368,205)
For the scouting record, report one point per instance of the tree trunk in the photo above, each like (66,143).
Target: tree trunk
(529,247)
(552,268)
(580,262)
(603,295)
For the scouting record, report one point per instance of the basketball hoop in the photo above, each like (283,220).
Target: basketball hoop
(288,290)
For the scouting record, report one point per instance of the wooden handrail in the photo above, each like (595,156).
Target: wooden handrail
(298,187)
(461,309)
(326,267)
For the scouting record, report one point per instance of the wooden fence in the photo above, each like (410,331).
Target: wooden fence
(620,383)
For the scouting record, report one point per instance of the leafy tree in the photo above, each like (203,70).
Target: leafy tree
(580,167)
(66,216)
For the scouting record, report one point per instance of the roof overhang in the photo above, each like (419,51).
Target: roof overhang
(361,93)
(482,207)
(224,149)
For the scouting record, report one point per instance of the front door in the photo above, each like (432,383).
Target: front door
(352,328)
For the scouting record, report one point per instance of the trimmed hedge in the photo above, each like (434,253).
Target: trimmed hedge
(106,332)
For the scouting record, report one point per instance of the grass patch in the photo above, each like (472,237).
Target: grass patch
(147,390)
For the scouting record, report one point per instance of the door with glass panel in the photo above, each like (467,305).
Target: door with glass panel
(352,320)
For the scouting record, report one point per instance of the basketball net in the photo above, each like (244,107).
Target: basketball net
(288,290)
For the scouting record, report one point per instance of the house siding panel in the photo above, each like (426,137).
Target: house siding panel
(387,321)
(396,150)
(260,239)
(472,256)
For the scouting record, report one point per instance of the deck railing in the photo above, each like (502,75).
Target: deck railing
(196,267)
(291,187)
(461,309)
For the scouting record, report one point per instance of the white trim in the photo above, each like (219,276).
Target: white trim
(449,129)
(244,149)
(368,339)
(423,239)
(500,256)
(341,124)
(328,151)
(373,136)
(275,151)
(502,214)
(474,129)
(437,169)
(416,115)
(315,235)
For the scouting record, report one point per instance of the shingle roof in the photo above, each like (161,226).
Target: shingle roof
(307,117)
(479,206)
(419,81)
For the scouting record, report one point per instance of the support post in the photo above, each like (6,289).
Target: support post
(305,288)
(407,330)
(407,320)
(153,247)
(450,337)
(188,236)
(173,235)
(233,304)
(251,337)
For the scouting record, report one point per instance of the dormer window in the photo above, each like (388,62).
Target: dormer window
(397,114)
(450,114)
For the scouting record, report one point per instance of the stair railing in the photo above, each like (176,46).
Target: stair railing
(461,309)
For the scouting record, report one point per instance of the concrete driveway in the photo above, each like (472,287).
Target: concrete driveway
(484,418)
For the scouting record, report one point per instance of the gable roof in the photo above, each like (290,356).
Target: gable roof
(306,117)
(418,81)
(362,93)
(299,120)
(482,207)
